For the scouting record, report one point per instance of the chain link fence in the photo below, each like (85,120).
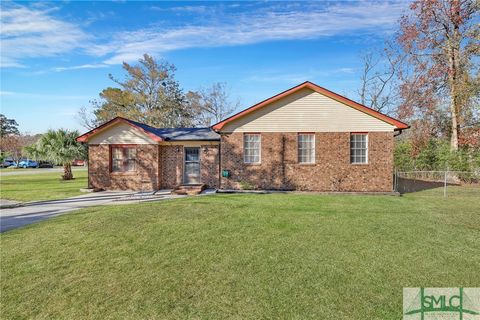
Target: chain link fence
(445,183)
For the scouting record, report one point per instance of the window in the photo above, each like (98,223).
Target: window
(251,147)
(306,148)
(359,148)
(123,159)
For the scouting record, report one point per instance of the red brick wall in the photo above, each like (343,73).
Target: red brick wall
(209,165)
(332,171)
(172,165)
(144,178)
(162,166)
(171,158)
(158,167)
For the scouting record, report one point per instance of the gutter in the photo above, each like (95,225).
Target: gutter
(399,131)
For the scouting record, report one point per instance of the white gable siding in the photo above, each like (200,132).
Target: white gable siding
(307,111)
(121,133)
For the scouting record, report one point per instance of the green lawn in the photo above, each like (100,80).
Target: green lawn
(41,186)
(275,256)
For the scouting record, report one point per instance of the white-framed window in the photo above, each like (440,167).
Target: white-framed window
(123,159)
(306,148)
(252,144)
(358,148)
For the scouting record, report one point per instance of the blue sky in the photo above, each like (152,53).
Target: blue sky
(56,57)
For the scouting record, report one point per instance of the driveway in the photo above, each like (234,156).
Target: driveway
(37,211)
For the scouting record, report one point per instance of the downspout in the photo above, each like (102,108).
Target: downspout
(88,165)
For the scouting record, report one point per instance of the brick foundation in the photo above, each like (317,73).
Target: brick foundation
(332,171)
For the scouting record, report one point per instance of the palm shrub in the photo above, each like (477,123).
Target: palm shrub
(59,146)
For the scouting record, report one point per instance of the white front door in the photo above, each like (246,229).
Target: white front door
(191,165)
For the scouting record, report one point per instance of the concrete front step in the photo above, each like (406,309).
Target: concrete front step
(189,189)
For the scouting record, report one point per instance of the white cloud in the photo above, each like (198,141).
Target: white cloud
(346,70)
(249,28)
(29,32)
(33,32)
(183,9)
(83,66)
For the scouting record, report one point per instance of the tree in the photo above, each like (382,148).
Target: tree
(8,126)
(211,105)
(149,94)
(59,146)
(440,40)
(377,88)
(12,145)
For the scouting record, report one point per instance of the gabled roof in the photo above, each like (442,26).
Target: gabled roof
(398,124)
(158,134)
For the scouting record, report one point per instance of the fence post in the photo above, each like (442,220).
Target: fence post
(395,180)
(445,184)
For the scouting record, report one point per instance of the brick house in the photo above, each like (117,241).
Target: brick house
(305,138)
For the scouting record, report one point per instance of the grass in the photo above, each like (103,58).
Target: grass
(41,186)
(2,170)
(273,256)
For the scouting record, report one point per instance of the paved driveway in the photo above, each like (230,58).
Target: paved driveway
(41,210)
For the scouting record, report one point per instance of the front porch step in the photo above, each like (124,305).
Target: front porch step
(189,189)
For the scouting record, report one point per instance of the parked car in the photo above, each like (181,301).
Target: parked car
(8,163)
(28,164)
(78,162)
(45,164)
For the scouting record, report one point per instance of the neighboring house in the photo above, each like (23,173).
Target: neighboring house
(305,138)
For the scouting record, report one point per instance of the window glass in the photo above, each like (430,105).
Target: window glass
(358,148)
(251,148)
(191,154)
(123,159)
(306,148)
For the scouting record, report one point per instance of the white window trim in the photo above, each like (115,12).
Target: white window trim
(366,149)
(259,148)
(314,148)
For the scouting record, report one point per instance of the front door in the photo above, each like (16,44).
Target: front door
(191,167)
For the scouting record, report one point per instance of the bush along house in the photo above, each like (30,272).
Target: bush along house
(305,138)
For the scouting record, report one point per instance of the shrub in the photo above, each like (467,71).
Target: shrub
(403,156)
(435,156)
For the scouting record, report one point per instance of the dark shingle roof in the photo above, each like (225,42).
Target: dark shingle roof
(180,134)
